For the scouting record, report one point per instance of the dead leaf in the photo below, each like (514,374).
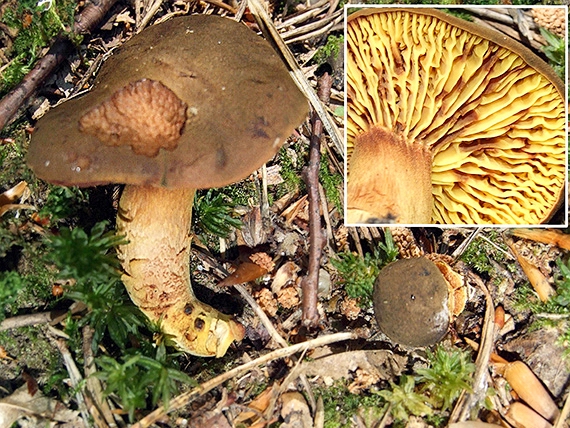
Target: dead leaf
(31,383)
(213,419)
(4,355)
(295,410)
(536,278)
(288,242)
(274,175)
(381,364)
(545,236)
(125,17)
(245,272)
(285,275)
(252,232)
(283,202)
(254,414)
(363,380)
(38,406)
(543,352)
(295,209)
(19,191)
(14,193)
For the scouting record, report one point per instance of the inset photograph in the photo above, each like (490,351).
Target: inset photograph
(456,116)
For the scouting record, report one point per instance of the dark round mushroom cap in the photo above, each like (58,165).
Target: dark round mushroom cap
(410,302)
(197,101)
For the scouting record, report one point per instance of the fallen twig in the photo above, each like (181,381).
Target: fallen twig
(313,29)
(184,399)
(30,319)
(468,400)
(563,416)
(92,383)
(75,379)
(316,236)
(60,49)
(52,317)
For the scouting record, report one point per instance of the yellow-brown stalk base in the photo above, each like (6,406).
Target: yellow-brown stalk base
(156,264)
(389,180)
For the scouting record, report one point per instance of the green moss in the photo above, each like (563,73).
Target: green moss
(291,159)
(63,202)
(241,193)
(330,49)
(431,392)
(32,351)
(137,378)
(359,273)
(404,400)
(480,253)
(341,405)
(13,157)
(35,27)
(332,183)
(213,213)
(11,284)
(23,263)
(447,376)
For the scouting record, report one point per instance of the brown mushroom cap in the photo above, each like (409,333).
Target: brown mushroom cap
(489,113)
(410,302)
(197,101)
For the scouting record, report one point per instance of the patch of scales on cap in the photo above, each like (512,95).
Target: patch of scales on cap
(145,115)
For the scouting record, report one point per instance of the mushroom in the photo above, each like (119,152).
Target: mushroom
(411,302)
(195,102)
(449,122)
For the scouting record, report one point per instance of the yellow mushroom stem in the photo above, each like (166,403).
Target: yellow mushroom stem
(389,180)
(156,263)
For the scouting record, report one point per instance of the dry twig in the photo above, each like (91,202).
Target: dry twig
(468,400)
(51,317)
(316,235)
(60,49)
(76,379)
(92,383)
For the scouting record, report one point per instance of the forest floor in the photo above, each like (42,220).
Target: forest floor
(74,351)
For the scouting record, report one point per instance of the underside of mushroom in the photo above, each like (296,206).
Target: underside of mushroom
(433,102)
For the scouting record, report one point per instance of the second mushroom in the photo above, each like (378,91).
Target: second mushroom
(449,122)
(195,102)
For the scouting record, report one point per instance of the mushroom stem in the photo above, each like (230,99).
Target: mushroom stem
(389,180)
(156,264)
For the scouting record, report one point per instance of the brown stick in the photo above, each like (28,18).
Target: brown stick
(52,317)
(61,48)
(317,237)
(31,319)
(100,408)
